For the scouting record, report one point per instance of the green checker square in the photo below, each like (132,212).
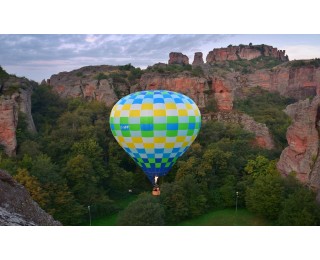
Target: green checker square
(172,133)
(164,160)
(172,119)
(126,133)
(114,132)
(139,163)
(190,132)
(152,160)
(135,127)
(124,120)
(183,126)
(146,120)
(111,120)
(158,165)
(147,133)
(147,165)
(160,127)
(197,125)
(192,119)
(117,127)
(168,164)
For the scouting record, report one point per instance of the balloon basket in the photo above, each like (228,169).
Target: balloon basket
(156,192)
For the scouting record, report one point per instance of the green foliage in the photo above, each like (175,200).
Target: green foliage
(300,209)
(197,72)
(79,74)
(4,76)
(145,211)
(265,196)
(301,63)
(126,67)
(267,107)
(47,106)
(170,68)
(101,76)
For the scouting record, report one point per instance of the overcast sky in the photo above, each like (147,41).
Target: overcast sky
(39,56)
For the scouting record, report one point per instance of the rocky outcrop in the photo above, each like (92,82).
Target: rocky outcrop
(198,59)
(194,87)
(17,207)
(246,52)
(302,154)
(263,137)
(8,125)
(178,58)
(223,95)
(90,83)
(15,98)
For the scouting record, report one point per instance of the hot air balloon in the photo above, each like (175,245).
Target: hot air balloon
(155,127)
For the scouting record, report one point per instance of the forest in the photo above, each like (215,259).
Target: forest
(73,162)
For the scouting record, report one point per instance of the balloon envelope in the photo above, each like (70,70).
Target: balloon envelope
(155,128)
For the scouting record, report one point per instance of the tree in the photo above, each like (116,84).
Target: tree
(300,209)
(261,166)
(145,211)
(32,185)
(4,76)
(265,196)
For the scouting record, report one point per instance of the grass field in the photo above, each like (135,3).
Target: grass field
(227,217)
(224,217)
(112,219)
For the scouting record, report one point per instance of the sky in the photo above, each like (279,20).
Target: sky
(38,56)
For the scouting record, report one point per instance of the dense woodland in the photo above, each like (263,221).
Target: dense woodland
(74,162)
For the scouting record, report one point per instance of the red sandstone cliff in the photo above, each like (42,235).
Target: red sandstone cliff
(15,97)
(178,58)
(303,140)
(246,52)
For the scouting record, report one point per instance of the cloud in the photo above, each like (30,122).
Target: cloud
(300,52)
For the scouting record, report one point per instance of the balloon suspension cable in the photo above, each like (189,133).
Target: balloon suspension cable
(155,180)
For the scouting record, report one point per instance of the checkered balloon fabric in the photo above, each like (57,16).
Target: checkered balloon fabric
(155,128)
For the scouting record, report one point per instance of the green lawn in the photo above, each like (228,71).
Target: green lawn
(112,219)
(227,217)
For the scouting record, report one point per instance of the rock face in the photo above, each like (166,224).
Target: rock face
(302,154)
(178,58)
(8,125)
(17,207)
(198,59)
(16,97)
(194,87)
(222,90)
(246,52)
(263,137)
(85,83)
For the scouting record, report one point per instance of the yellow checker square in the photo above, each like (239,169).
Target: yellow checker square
(117,113)
(189,106)
(159,112)
(126,107)
(185,144)
(171,106)
(196,112)
(180,139)
(182,112)
(120,139)
(148,146)
(131,145)
(159,140)
(137,140)
(147,106)
(169,145)
(134,113)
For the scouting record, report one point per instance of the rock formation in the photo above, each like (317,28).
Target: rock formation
(302,154)
(90,83)
(17,207)
(16,97)
(246,52)
(178,58)
(194,87)
(263,137)
(198,59)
